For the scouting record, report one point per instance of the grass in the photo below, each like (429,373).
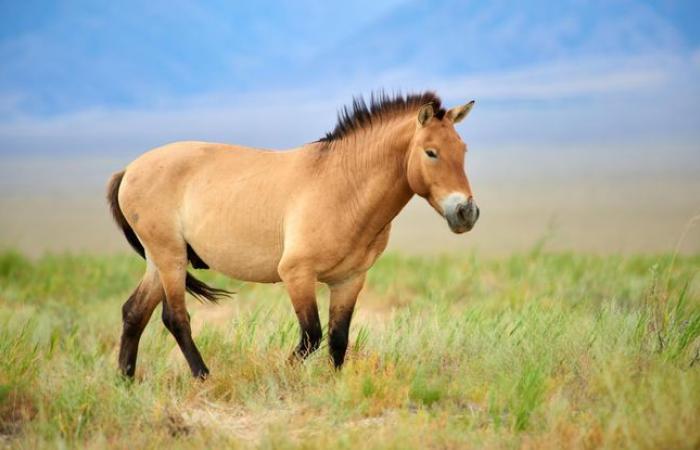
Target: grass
(533,351)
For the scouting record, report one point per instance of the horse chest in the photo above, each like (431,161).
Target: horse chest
(357,258)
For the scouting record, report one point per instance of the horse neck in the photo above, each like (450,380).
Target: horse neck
(372,178)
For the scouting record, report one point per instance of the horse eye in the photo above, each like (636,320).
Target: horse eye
(431,153)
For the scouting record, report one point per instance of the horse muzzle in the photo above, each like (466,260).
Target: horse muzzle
(461,215)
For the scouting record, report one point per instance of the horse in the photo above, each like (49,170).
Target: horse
(320,212)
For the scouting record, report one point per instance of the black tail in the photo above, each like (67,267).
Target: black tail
(197,288)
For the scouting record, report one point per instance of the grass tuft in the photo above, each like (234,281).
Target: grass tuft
(536,350)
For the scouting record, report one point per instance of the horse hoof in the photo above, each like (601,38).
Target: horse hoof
(201,374)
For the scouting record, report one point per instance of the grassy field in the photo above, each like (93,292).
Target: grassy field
(531,351)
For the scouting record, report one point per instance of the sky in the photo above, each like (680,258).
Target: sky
(105,78)
(586,116)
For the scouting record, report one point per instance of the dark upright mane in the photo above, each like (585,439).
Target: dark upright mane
(360,115)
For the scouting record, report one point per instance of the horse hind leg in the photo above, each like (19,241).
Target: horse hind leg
(136,313)
(176,317)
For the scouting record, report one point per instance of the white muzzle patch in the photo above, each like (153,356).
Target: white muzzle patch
(449,204)
(460,212)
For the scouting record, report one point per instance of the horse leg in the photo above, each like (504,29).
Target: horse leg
(301,286)
(136,313)
(176,318)
(342,304)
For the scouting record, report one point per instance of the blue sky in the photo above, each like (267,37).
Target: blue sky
(82,76)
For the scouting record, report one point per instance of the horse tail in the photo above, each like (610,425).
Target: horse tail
(197,288)
(113,199)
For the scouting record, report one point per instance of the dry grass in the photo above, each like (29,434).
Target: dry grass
(532,351)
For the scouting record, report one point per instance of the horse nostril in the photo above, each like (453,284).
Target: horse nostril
(462,212)
(478,212)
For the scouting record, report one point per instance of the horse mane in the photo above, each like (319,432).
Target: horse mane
(381,105)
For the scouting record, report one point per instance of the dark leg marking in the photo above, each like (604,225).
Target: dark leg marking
(134,317)
(338,336)
(179,327)
(311,333)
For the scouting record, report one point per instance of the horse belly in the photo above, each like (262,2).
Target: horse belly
(233,221)
(248,265)
(240,260)
(242,252)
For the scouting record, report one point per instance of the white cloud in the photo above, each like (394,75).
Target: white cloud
(564,80)
(646,97)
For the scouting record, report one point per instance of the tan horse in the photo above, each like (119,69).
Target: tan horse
(319,212)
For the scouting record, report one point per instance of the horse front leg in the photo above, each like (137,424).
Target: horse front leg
(301,286)
(342,304)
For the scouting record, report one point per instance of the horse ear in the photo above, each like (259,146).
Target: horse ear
(458,113)
(425,113)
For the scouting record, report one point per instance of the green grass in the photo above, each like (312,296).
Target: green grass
(532,351)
